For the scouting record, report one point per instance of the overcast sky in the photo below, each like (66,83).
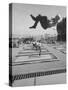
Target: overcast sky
(22,20)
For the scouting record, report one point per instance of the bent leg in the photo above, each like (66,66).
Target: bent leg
(35,24)
(36,19)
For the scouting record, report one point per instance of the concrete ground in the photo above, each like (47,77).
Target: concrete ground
(43,80)
(53,59)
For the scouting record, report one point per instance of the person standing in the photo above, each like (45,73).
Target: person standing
(39,47)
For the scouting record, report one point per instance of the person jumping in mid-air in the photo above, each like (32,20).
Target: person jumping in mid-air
(44,21)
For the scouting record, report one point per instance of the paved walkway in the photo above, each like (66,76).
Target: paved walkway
(61,56)
(22,69)
(37,67)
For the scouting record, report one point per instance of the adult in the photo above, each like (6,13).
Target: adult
(44,21)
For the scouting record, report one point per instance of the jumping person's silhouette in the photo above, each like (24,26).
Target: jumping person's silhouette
(44,21)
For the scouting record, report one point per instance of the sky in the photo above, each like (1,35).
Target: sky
(21,20)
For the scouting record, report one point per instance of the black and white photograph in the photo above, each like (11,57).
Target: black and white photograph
(37,44)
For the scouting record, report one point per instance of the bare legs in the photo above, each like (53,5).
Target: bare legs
(36,19)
